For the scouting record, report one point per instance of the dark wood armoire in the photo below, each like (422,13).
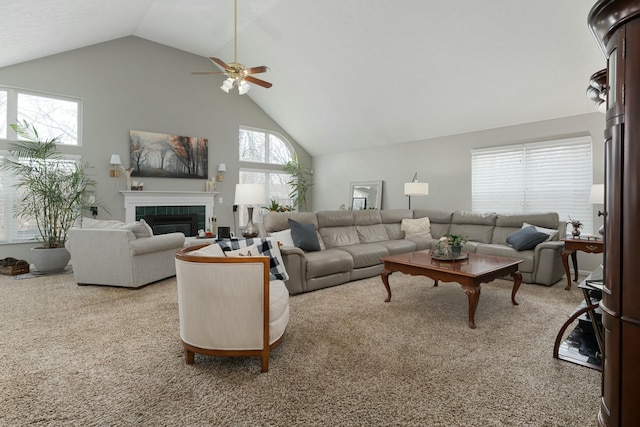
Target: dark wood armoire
(616,26)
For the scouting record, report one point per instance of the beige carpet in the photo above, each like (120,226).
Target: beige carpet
(106,356)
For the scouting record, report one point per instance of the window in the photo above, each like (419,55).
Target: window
(536,177)
(262,155)
(52,115)
(3,114)
(12,229)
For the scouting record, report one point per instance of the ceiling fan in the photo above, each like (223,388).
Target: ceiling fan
(238,75)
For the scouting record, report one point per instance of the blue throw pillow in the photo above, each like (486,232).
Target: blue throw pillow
(304,236)
(526,238)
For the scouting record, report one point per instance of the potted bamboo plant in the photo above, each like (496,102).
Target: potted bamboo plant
(299,182)
(51,192)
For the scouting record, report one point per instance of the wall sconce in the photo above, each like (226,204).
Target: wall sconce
(221,169)
(115,166)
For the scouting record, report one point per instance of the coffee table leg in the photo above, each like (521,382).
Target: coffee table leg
(474,296)
(517,280)
(385,280)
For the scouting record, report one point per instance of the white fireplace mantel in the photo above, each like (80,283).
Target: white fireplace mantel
(133,199)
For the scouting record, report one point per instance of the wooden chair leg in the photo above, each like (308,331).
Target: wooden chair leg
(264,362)
(189,356)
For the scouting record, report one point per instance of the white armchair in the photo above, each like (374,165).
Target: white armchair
(116,254)
(228,306)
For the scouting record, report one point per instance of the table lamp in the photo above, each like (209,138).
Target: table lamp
(250,194)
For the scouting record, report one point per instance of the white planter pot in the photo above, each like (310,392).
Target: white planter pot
(50,260)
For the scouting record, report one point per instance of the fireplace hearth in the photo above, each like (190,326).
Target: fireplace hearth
(183,223)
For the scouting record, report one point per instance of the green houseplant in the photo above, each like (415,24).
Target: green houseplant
(299,182)
(51,192)
(274,206)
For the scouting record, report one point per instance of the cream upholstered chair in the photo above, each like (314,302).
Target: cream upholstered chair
(228,306)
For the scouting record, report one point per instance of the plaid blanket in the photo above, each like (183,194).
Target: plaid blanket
(267,246)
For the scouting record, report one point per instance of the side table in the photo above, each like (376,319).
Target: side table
(571,247)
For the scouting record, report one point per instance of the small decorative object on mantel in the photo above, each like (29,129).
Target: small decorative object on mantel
(577,225)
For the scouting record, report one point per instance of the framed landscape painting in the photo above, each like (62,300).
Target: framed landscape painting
(169,156)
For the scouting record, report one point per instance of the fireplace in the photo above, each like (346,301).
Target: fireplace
(186,224)
(141,204)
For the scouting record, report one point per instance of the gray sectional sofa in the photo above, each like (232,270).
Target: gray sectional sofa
(352,242)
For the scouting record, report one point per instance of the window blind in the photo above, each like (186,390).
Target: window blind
(535,177)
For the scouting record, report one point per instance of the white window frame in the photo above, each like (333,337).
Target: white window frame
(12,113)
(542,176)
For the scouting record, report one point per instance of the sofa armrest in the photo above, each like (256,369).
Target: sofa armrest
(548,267)
(296,264)
(157,243)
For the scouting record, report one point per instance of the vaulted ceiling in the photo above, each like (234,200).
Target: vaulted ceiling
(352,74)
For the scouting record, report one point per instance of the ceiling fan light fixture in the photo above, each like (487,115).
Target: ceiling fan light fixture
(243,87)
(227,85)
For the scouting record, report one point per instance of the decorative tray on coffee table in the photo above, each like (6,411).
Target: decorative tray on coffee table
(449,257)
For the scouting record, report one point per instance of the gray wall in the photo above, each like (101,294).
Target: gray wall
(445,163)
(131,83)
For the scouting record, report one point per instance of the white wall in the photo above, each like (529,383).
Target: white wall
(132,83)
(445,163)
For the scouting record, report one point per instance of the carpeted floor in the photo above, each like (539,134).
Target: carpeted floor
(106,356)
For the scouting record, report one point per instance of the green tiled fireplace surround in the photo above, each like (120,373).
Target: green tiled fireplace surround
(142,211)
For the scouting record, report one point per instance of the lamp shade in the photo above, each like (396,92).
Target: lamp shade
(115,160)
(597,194)
(416,189)
(249,194)
(222,167)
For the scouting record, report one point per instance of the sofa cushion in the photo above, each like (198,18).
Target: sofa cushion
(140,229)
(371,233)
(527,257)
(284,237)
(401,246)
(328,262)
(101,223)
(366,254)
(440,221)
(277,221)
(339,236)
(420,227)
(248,251)
(526,238)
(553,234)
(267,246)
(367,217)
(209,250)
(304,236)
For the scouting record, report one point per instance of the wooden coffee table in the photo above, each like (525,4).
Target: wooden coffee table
(469,273)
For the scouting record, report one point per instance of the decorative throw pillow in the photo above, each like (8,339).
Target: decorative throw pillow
(526,238)
(284,237)
(420,227)
(140,229)
(304,236)
(267,246)
(209,250)
(549,231)
(248,251)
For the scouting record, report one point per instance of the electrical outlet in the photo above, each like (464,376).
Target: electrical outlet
(220,200)
(94,210)
(235,208)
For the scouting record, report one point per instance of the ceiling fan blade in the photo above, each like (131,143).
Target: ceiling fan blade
(258,81)
(220,62)
(256,70)
(208,72)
